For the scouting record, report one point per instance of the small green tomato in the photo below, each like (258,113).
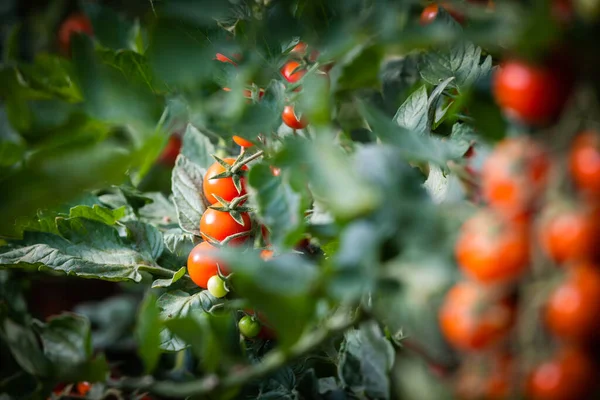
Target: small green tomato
(216,286)
(249,326)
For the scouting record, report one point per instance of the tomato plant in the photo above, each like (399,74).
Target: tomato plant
(293,199)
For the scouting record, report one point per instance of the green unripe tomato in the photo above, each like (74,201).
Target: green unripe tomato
(249,326)
(216,286)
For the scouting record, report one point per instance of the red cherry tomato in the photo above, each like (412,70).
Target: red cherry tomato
(83,388)
(530,93)
(573,309)
(266,254)
(202,264)
(240,141)
(220,224)
(470,321)
(171,151)
(514,175)
(430,13)
(222,187)
(300,48)
(75,23)
(567,234)
(584,163)
(290,119)
(491,250)
(292,72)
(568,375)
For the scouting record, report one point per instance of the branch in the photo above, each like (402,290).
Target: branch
(269,364)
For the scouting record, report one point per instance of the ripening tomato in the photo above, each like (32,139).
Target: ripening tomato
(533,94)
(491,250)
(220,224)
(430,13)
(83,388)
(290,119)
(292,71)
(171,151)
(224,59)
(222,187)
(584,162)
(300,48)
(489,378)
(573,309)
(266,254)
(513,176)
(202,265)
(240,141)
(470,321)
(569,375)
(567,233)
(216,286)
(75,23)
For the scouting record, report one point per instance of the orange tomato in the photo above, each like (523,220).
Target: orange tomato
(75,23)
(222,187)
(470,321)
(202,264)
(569,375)
(219,225)
(567,233)
(573,309)
(514,175)
(491,250)
(240,141)
(584,163)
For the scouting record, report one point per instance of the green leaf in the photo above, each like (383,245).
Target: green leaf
(332,180)
(360,68)
(110,29)
(98,213)
(24,346)
(280,288)
(462,61)
(186,184)
(89,249)
(67,344)
(147,238)
(12,146)
(366,359)
(160,212)
(197,147)
(414,147)
(133,66)
(134,197)
(279,206)
(147,333)
(412,114)
(50,76)
(178,304)
(163,283)
(179,243)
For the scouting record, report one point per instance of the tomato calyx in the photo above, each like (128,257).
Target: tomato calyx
(235,170)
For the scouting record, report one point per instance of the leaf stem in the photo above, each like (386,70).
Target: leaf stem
(269,364)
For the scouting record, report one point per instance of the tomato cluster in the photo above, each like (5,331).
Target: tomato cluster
(526,223)
(225,222)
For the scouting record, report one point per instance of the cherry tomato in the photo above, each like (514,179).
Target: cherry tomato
(75,23)
(300,48)
(513,176)
(530,93)
(249,326)
(171,151)
(275,171)
(266,254)
(570,374)
(290,119)
(584,163)
(220,224)
(202,265)
(240,141)
(573,309)
(567,233)
(491,250)
(489,378)
(222,187)
(83,388)
(292,72)
(224,59)
(430,13)
(470,321)
(216,286)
